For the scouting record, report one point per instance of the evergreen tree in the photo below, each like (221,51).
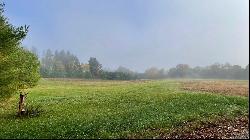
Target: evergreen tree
(19,68)
(95,67)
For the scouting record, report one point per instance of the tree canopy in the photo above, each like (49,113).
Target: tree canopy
(19,68)
(61,64)
(95,67)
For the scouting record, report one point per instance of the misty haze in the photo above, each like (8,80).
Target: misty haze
(132,69)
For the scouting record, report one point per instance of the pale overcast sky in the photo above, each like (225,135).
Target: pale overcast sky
(138,34)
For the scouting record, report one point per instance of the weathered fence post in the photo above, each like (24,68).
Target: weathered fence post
(21,107)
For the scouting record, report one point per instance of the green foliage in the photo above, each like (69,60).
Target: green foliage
(117,76)
(214,71)
(154,73)
(95,67)
(246,72)
(121,73)
(60,64)
(113,109)
(19,68)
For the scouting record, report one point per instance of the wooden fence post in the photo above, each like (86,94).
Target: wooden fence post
(21,107)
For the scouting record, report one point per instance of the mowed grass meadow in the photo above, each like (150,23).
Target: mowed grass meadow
(113,109)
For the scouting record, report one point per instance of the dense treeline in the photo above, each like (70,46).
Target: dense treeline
(121,73)
(214,71)
(60,64)
(65,64)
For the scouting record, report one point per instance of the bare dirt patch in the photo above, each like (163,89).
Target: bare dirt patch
(220,128)
(237,128)
(237,88)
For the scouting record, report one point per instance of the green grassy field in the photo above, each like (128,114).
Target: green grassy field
(113,109)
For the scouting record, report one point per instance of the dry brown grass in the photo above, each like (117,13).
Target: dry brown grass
(222,128)
(237,88)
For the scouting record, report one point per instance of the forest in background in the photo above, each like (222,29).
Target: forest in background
(63,64)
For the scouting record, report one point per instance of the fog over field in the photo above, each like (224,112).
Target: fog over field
(138,34)
(124,69)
